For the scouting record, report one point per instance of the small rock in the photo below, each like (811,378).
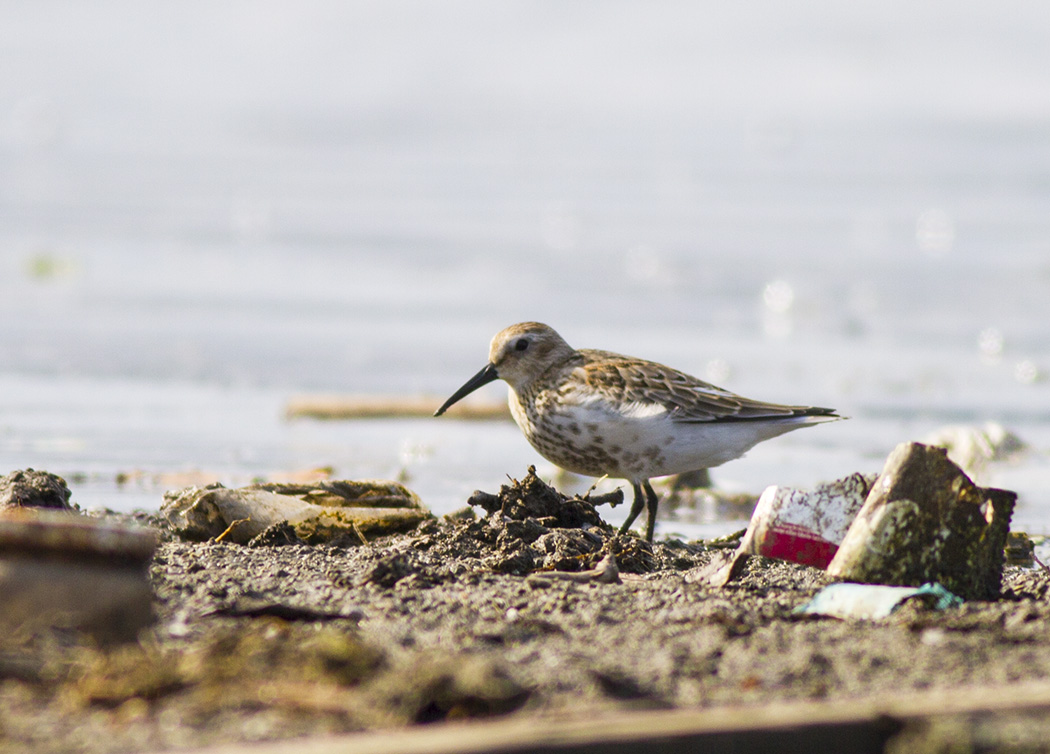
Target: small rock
(34,489)
(389,571)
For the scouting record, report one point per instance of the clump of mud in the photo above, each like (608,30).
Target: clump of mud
(529,527)
(532,498)
(34,489)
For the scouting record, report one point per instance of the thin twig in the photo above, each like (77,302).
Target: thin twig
(606,572)
(594,486)
(230,528)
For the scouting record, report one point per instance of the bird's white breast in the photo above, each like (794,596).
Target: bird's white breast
(634,440)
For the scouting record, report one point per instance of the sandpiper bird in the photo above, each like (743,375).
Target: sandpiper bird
(599,413)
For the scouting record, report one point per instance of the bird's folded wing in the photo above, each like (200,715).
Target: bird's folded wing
(639,388)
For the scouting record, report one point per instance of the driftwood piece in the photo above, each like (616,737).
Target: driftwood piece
(321,512)
(334,407)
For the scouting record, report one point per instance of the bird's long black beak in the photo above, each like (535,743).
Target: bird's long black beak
(484,377)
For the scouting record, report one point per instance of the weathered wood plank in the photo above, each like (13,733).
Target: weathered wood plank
(855,725)
(335,407)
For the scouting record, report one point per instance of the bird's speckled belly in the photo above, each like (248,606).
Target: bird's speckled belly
(594,443)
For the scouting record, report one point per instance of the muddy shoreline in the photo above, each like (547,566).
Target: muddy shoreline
(456,621)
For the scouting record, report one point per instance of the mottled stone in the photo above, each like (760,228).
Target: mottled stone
(926,521)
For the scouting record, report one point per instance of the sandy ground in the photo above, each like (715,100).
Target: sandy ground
(456,620)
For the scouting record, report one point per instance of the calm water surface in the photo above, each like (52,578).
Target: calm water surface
(209,210)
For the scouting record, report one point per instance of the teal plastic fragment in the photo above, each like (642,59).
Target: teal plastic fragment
(874,601)
(940,598)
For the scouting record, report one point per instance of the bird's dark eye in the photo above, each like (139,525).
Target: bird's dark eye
(522,344)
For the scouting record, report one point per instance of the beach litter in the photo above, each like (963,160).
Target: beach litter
(350,512)
(874,601)
(802,526)
(921,520)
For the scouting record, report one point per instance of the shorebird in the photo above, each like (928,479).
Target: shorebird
(599,413)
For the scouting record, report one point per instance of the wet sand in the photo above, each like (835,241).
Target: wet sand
(457,621)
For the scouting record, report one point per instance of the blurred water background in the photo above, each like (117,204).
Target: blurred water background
(209,208)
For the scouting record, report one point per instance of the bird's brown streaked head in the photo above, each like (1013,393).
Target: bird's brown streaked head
(517,355)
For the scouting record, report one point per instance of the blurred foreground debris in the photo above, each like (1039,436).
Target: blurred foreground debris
(66,571)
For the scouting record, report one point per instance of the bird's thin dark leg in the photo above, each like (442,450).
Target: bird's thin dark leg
(651,502)
(636,507)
